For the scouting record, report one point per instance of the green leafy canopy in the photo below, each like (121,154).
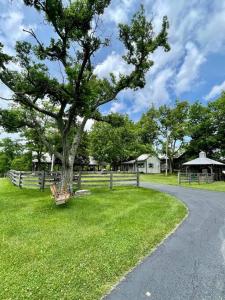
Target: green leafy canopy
(66,103)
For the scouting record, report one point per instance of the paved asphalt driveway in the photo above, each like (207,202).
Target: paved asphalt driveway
(190,264)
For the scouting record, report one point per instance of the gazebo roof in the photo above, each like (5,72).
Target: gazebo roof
(202,160)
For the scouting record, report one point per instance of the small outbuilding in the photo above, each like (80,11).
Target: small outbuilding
(145,163)
(205,165)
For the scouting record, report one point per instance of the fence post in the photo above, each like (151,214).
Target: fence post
(20,179)
(179,177)
(79,180)
(111,180)
(138,179)
(13,177)
(42,181)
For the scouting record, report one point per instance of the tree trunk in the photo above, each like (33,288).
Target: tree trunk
(69,154)
(171,165)
(67,168)
(67,177)
(39,155)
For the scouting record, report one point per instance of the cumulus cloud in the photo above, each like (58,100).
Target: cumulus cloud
(155,92)
(112,64)
(11,30)
(193,36)
(117,107)
(215,91)
(195,32)
(189,69)
(118,11)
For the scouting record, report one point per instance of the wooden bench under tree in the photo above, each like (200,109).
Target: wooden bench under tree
(60,197)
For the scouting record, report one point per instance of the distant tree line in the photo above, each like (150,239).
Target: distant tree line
(176,129)
(181,128)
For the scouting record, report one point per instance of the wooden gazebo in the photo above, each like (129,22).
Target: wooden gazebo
(204,166)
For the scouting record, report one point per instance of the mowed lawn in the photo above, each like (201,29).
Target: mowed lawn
(81,250)
(172,180)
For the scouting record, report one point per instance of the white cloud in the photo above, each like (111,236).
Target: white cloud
(11,28)
(189,69)
(194,33)
(155,92)
(118,11)
(112,64)
(117,106)
(215,91)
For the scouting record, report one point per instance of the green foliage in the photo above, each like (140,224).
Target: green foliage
(5,163)
(148,126)
(140,41)
(114,144)
(22,163)
(9,150)
(201,130)
(207,127)
(166,127)
(67,103)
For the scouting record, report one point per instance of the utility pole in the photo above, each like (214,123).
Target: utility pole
(52,163)
(166,150)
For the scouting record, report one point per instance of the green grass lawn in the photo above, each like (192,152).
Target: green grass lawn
(159,178)
(81,250)
(172,180)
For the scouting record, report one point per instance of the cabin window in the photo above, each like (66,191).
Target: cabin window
(141,165)
(150,165)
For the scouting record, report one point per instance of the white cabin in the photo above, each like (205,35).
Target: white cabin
(145,163)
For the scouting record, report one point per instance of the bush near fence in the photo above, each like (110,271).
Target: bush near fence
(44,179)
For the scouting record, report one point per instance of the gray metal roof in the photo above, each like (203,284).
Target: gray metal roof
(203,160)
(143,157)
(130,162)
(93,162)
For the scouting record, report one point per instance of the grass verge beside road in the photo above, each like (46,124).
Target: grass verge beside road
(81,250)
(172,180)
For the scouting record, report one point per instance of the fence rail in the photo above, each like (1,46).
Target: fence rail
(195,177)
(44,179)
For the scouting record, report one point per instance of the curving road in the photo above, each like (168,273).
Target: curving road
(190,264)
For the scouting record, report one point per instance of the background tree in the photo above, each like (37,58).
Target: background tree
(149,127)
(173,129)
(22,162)
(5,163)
(206,128)
(114,144)
(34,145)
(71,101)
(217,109)
(9,150)
(201,130)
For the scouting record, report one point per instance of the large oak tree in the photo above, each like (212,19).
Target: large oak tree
(68,103)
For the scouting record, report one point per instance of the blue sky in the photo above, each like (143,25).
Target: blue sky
(193,70)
